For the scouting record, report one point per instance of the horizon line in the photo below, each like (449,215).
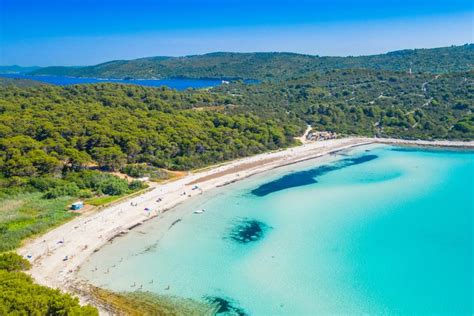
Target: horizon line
(241,52)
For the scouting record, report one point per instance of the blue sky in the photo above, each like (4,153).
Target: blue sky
(81,32)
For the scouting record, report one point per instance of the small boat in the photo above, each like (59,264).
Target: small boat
(199,211)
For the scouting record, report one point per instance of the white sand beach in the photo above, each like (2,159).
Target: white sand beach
(58,254)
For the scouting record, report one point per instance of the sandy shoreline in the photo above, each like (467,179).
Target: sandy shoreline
(79,238)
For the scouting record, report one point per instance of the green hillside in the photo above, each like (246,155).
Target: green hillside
(367,102)
(58,144)
(272,66)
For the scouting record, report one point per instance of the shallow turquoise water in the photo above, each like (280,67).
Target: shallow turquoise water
(377,229)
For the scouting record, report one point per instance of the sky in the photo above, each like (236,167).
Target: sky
(86,32)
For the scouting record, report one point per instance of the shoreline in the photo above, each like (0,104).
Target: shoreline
(57,255)
(426,143)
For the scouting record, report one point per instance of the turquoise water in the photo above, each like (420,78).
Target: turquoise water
(378,229)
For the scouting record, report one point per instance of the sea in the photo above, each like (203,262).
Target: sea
(178,84)
(375,229)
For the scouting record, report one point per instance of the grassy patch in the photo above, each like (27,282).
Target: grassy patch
(101,200)
(28,214)
(24,214)
(106,199)
(8,205)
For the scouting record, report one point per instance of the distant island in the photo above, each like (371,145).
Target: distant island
(15,69)
(271,66)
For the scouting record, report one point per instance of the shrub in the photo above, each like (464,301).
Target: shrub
(19,295)
(97,181)
(145,170)
(463,127)
(135,185)
(69,189)
(114,186)
(11,261)
(136,171)
(44,183)
(85,193)
(16,181)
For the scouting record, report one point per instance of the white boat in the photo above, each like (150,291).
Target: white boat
(199,211)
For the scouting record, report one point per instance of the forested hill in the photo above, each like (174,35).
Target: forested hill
(15,69)
(367,102)
(46,129)
(51,136)
(263,66)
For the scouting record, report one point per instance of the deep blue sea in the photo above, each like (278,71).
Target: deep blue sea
(373,230)
(179,84)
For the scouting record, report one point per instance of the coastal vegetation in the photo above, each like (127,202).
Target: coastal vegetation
(367,102)
(272,66)
(50,129)
(59,144)
(19,295)
(20,82)
(144,170)
(62,143)
(30,205)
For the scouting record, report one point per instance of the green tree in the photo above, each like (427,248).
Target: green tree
(76,160)
(111,158)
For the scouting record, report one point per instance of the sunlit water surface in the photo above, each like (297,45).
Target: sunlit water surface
(377,229)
